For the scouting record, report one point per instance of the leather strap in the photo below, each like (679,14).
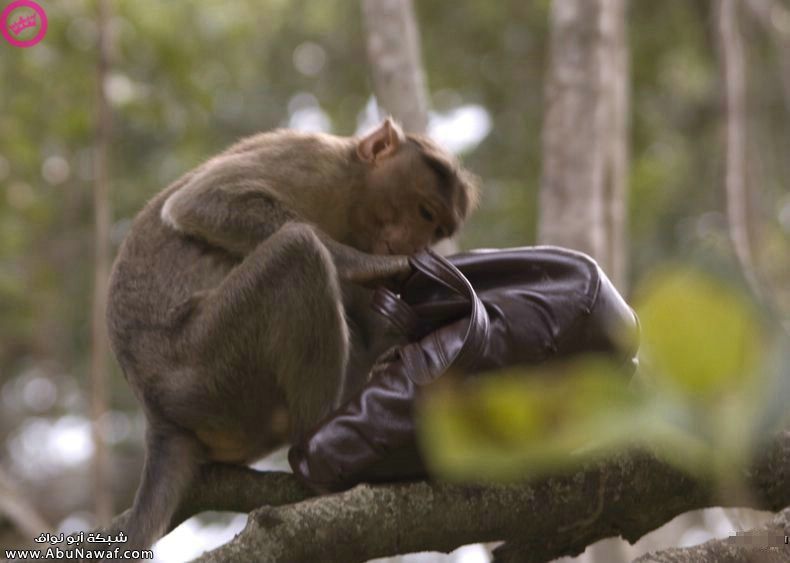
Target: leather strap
(444,273)
(396,310)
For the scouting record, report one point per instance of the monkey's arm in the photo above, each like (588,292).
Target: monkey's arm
(360,267)
(226,206)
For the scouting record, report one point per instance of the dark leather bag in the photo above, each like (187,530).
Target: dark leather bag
(473,312)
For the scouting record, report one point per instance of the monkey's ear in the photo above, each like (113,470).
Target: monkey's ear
(381,143)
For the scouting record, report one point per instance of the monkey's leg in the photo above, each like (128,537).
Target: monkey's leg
(275,326)
(277,320)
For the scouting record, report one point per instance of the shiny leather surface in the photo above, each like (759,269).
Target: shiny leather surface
(528,305)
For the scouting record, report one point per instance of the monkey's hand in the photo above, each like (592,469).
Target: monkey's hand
(366,269)
(394,270)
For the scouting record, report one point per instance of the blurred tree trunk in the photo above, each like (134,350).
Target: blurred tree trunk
(769,13)
(99,342)
(583,199)
(738,187)
(747,239)
(399,84)
(732,62)
(394,54)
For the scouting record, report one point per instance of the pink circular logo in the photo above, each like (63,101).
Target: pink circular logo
(16,23)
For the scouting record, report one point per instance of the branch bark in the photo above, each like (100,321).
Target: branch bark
(229,488)
(628,495)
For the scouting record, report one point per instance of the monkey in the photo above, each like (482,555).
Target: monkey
(238,304)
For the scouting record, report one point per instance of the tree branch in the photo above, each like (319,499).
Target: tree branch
(767,544)
(227,488)
(628,495)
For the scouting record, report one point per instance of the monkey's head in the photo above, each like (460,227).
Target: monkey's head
(416,193)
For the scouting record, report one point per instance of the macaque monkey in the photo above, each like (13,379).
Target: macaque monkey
(238,306)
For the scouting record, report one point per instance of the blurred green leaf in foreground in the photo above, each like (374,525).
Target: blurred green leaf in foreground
(521,423)
(702,397)
(701,336)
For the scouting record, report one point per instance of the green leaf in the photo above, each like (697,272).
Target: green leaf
(701,336)
(526,422)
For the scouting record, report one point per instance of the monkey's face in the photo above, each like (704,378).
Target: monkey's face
(408,205)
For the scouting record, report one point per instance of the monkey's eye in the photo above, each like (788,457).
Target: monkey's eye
(426,214)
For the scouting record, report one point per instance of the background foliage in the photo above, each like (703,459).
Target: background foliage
(188,78)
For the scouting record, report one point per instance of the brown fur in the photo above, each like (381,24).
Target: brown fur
(236,297)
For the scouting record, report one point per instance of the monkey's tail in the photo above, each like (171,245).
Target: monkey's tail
(172,461)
